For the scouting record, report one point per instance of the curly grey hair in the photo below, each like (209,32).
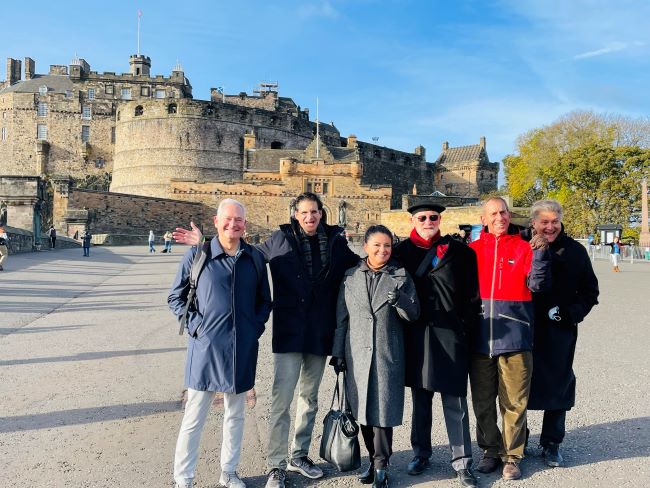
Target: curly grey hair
(546,206)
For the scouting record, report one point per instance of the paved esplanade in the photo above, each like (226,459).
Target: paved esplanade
(91,371)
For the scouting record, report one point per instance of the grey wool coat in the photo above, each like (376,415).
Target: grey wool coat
(370,338)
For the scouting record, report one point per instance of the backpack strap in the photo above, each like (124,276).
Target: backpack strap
(198,263)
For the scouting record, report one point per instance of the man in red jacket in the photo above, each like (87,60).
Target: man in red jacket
(501,366)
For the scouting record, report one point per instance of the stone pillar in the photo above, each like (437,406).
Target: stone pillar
(62,187)
(644,237)
(249,141)
(22,196)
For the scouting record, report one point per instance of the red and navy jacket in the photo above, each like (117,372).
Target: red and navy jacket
(508,270)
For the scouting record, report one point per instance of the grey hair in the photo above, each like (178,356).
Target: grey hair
(231,201)
(495,199)
(546,206)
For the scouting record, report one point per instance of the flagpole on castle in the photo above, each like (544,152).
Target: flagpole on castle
(317,132)
(139,15)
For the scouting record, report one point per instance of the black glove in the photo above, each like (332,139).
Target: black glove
(338,364)
(393,297)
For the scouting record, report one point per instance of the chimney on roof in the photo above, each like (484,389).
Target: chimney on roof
(421,151)
(14,67)
(445,146)
(30,68)
(482,144)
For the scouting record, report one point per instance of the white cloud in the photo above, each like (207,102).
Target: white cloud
(318,9)
(612,47)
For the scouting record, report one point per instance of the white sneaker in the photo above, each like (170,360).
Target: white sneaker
(231,480)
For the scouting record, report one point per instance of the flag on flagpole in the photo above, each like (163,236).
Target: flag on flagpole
(139,13)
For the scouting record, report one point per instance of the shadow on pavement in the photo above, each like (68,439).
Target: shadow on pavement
(88,356)
(84,416)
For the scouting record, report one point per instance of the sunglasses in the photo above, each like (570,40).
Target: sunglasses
(432,218)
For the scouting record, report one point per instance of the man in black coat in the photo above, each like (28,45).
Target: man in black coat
(437,358)
(557,315)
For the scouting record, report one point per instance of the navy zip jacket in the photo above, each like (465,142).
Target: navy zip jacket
(232,305)
(304,309)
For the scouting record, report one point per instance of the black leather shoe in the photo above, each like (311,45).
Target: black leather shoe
(488,464)
(418,465)
(552,455)
(381,479)
(466,478)
(368,476)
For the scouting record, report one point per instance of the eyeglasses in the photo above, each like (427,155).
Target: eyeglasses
(432,218)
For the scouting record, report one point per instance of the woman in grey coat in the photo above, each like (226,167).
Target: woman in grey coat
(375,299)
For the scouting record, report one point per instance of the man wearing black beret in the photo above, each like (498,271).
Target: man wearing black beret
(437,354)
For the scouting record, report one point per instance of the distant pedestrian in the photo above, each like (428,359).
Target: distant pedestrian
(168,242)
(4,242)
(615,253)
(152,239)
(233,302)
(52,235)
(86,237)
(558,312)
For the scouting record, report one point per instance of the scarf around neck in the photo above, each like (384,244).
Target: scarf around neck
(421,242)
(306,249)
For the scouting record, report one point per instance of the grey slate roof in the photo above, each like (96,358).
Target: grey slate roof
(460,154)
(54,83)
(269,159)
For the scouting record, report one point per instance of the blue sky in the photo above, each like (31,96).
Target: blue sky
(407,72)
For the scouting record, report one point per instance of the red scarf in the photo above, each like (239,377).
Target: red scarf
(428,244)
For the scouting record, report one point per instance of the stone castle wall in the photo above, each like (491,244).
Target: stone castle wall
(120,214)
(196,140)
(399,221)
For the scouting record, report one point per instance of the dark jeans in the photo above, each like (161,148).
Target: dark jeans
(553,427)
(379,442)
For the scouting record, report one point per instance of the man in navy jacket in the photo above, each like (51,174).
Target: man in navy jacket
(233,302)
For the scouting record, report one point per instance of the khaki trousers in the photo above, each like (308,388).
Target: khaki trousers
(291,369)
(507,377)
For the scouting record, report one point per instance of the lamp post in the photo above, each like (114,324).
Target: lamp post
(644,237)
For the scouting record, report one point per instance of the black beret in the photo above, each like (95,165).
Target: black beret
(425,206)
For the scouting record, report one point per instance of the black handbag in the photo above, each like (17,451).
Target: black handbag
(339,445)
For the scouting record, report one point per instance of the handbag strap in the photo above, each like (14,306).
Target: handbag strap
(336,394)
(344,405)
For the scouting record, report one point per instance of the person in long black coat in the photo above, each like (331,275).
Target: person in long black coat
(557,315)
(437,349)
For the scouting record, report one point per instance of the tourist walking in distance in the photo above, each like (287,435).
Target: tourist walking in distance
(86,238)
(558,312)
(233,302)
(376,300)
(168,242)
(4,250)
(509,269)
(437,346)
(615,253)
(51,233)
(152,239)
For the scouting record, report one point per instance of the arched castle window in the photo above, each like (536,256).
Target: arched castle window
(172,108)
(139,110)
(277,145)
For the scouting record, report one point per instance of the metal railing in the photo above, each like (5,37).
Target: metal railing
(629,253)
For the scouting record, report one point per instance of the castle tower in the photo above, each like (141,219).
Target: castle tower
(140,65)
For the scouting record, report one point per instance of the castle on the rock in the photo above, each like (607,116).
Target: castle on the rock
(149,137)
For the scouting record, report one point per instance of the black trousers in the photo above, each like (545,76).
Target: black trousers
(456,416)
(553,427)
(379,442)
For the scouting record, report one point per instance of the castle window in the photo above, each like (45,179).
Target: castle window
(91,93)
(407,161)
(68,94)
(377,153)
(109,89)
(144,91)
(392,156)
(160,94)
(139,110)
(172,108)
(86,113)
(41,132)
(99,163)
(480,176)
(277,145)
(42,90)
(85,133)
(125,93)
(112,135)
(42,109)
(4,134)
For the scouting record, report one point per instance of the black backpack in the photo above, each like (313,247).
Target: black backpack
(198,263)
